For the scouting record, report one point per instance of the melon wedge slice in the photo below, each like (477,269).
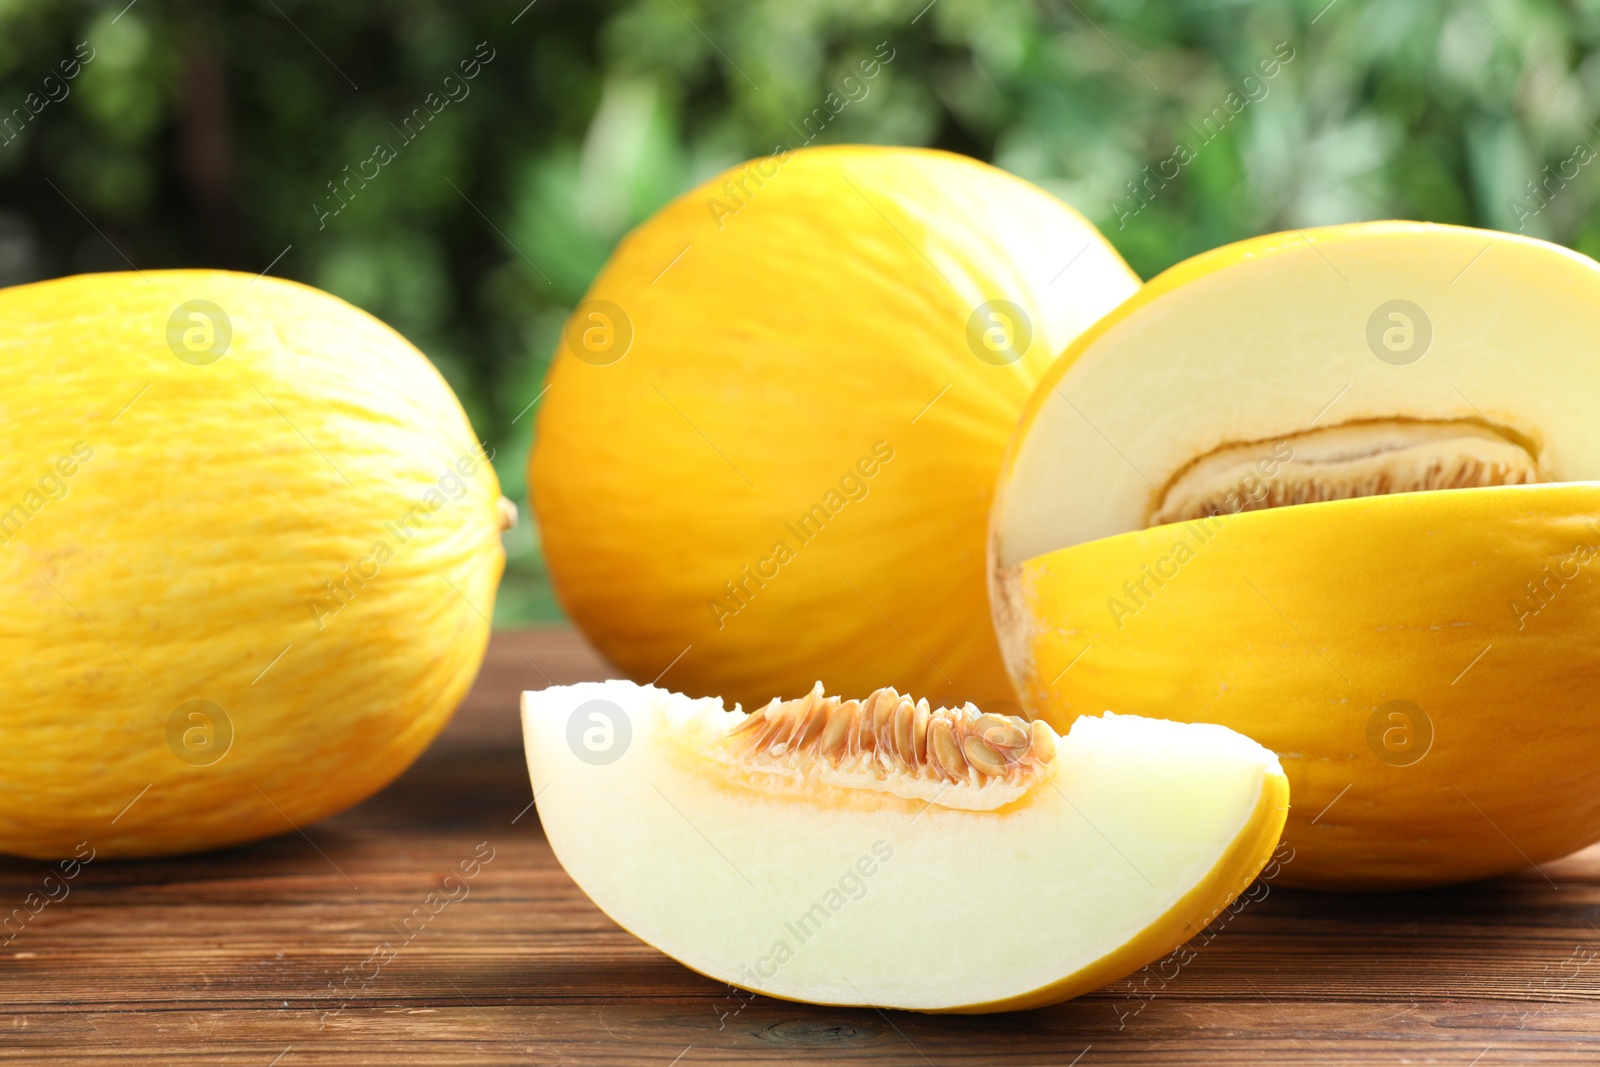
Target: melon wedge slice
(882,853)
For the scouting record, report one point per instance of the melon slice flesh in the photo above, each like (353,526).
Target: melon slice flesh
(824,853)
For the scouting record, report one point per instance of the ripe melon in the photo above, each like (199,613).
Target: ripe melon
(879,852)
(772,426)
(1336,490)
(248,548)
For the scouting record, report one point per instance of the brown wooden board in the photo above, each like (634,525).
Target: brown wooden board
(265,955)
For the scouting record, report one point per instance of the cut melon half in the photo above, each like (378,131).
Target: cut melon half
(1338,490)
(878,852)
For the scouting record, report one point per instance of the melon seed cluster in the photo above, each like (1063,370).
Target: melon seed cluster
(1362,459)
(952,744)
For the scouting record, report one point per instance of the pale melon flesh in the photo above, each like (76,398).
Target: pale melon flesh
(894,889)
(1332,354)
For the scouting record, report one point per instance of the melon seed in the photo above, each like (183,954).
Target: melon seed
(1044,741)
(981,756)
(942,745)
(904,714)
(834,735)
(1000,731)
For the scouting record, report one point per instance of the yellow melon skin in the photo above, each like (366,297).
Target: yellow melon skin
(1392,604)
(791,326)
(168,528)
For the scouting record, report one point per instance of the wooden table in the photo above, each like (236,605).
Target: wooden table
(265,955)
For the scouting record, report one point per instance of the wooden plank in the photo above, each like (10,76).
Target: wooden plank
(266,955)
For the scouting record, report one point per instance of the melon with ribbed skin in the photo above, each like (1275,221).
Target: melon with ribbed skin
(772,427)
(884,853)
(247,551)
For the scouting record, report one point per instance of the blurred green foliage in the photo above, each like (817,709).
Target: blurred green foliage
(205,134)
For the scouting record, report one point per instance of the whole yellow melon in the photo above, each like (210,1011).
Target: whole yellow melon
(772,428)
(248,547)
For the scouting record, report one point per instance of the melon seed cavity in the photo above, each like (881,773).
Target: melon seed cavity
(1357,459)
(889,743)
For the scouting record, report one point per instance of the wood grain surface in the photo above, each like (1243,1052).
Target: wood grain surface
(324,946)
